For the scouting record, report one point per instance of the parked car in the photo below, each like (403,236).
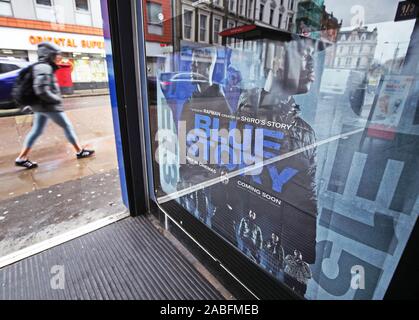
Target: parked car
(177,87)
(180,85)
(9,70)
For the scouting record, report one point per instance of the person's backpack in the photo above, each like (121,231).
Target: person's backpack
(22,91)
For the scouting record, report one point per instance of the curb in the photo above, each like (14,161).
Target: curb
(10,112)
(80,95)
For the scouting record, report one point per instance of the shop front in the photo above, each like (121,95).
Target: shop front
(84,55)
(292,192)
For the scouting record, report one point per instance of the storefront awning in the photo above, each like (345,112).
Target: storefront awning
(253,32)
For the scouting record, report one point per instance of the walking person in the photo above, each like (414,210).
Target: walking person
(48,105)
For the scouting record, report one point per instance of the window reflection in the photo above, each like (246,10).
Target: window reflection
(296,141)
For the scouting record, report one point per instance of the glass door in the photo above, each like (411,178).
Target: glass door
(293,147)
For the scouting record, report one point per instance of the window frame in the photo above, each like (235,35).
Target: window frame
(230,24)
(271,16)
(154,24)
(279,23)
(192,26)
(241,12)
(11,9)
(261,11)
(220,19)
(234,9)
(44,5)
(83,11)
(290,21)
(52,8)
(207,15)
(250,9)
(218,5)
(291,4)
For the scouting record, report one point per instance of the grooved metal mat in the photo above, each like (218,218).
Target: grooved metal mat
(129,259)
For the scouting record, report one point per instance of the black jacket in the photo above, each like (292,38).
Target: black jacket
(45,83)
(294,219)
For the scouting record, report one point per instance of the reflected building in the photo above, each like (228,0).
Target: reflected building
(309,16)
(355,49)
(313,20)
(201,21)
(158,34)
(279,14)
(75,26)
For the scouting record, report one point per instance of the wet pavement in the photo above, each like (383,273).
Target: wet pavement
(92,121)
(42,214)
(63,192)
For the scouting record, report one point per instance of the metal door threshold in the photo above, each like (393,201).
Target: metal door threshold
(129,259)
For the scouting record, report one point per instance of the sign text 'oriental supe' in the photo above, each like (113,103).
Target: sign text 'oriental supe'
(68,42)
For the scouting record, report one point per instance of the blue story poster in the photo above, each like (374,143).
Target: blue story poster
(250,145)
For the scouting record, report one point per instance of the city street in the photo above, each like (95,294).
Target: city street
(92,120)
(63,193)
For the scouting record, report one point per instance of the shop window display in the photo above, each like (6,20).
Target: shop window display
(302,160)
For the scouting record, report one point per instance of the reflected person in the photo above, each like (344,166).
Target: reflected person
(206,98)
(294,218)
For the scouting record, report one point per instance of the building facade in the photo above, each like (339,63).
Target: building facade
(201,20)
(198,23)
(309,16)
(355,49)
(158,34)
(314,20)
(75,26)
(280,14)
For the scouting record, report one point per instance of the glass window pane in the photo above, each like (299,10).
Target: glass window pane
(70,189)
(203,28)
(44,2)
(217,25)
(154,18)
(301,151)
(82,5)
(5,8)
(187,24)
(154,12)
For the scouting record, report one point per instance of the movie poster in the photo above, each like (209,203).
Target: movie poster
(236,151)
(245,159)
(389,106)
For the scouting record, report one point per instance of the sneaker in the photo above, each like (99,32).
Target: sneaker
(26,164)
(85,153)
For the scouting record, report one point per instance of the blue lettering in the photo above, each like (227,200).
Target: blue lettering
(278,180)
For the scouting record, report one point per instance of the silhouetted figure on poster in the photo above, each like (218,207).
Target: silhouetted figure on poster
(297,272)
(208,97)
(251,236)
(291,180)
(274,255)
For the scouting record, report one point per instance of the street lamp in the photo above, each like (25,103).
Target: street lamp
(396,52)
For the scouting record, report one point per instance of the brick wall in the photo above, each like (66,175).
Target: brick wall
(166,37)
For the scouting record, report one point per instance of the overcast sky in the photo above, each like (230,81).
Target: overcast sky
(383,18)
(375,10)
